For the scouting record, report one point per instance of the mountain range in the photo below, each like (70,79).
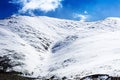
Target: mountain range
(44,46)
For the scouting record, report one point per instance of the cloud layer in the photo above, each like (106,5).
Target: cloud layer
(42,5)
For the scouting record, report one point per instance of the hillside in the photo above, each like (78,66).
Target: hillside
(43,46)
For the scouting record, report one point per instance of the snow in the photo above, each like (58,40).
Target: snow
(63,43)
(62,47)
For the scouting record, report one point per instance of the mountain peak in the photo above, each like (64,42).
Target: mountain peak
(112,18)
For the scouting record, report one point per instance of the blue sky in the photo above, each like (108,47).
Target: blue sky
(84,10)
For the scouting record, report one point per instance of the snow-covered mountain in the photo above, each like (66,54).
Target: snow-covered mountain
(43,46)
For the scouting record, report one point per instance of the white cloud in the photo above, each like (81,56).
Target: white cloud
(85,12)
(43,5)
(81,17)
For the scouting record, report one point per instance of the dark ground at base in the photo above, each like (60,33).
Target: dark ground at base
(10,76)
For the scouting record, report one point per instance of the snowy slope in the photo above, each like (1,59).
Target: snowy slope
(47,46)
